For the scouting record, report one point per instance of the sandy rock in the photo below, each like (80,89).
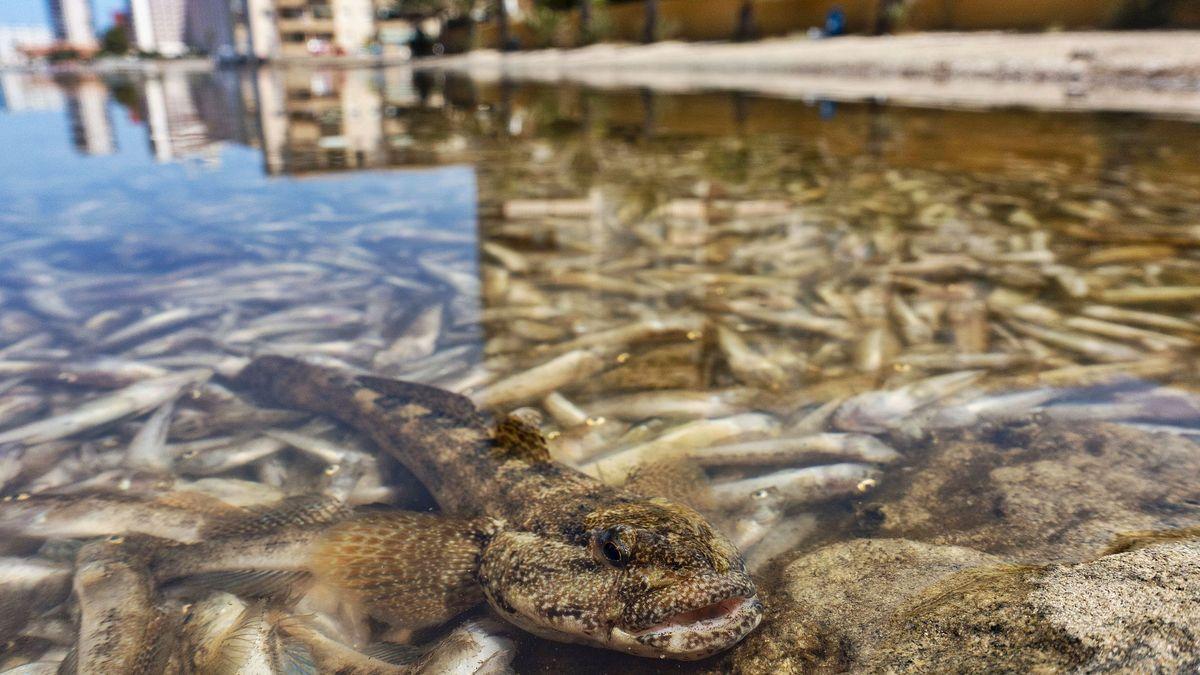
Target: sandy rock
(1039,491)
(835,602)
(902,606)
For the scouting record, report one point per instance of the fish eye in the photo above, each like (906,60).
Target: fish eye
(611,550)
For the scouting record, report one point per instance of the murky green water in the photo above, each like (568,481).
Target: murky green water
(742,284)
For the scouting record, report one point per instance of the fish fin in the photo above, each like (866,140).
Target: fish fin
(409,569)
(294,657)
(314,509)
(519,439)
(393,653)
(677,480)
(70,663)
(252,583)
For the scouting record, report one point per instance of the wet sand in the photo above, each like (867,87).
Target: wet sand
(1150,72)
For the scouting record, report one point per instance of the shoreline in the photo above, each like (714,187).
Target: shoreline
(1143,72)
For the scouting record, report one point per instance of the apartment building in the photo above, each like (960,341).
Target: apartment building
(304,28)
(177,27)
(72,23)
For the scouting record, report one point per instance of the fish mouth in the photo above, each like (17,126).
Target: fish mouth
(694,633)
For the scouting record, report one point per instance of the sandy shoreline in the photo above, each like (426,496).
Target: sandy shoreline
(1149,72)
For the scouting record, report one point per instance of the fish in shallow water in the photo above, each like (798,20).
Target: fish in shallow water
(551,550)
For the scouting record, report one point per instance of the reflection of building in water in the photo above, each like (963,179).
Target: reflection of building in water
(15,39)
(175,27)
(72,22)
(319,120)
(189,116)
(91,128)
(26,92)
(315,121)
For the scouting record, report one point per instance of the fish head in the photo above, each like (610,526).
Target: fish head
(648,577)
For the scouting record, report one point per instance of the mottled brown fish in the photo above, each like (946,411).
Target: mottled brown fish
(550,549)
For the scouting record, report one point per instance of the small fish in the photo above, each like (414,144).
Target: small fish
(147,451)
(15,408)
(213,461)
(29,586)
(153,324)
(179,517)
(797,450)
(677,441)
(121,627)
(134,399)
(799,486)
(674,404)
(876,411)
(541,380)
(748,366)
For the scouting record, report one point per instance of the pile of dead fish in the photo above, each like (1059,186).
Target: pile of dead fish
(780,347)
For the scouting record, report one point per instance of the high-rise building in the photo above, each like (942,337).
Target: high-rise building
(72,22)
(176,27)
(301,28)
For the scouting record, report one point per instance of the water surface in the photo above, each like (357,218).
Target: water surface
(785,256)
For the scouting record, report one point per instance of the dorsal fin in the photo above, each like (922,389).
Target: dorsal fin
(310,509)
(519,439)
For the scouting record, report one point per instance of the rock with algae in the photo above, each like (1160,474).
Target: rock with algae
(892,605)
(1039,491)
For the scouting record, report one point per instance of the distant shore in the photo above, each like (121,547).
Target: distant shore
(1148,72)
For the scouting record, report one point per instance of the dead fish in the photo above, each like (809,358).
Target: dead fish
(876,411)
(83,515)
(566,413)
(154,323)
(29,586)
(134,399)
(749,367)
(15,408)
(555,374)
(147,451)
(677,441)
(794,318)
(674,404)
(798,450)
(799,486)
(213,461)
(418,341)
(121,627)
(788,535)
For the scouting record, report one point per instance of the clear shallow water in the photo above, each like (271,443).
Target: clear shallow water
(784,256)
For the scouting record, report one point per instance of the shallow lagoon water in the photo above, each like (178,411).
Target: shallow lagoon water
(790,258)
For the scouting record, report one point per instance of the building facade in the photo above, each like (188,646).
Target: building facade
(304,28)
(72,23)
(177,27)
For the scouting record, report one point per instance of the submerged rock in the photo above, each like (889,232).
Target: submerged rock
(1039,491)
(894,605)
